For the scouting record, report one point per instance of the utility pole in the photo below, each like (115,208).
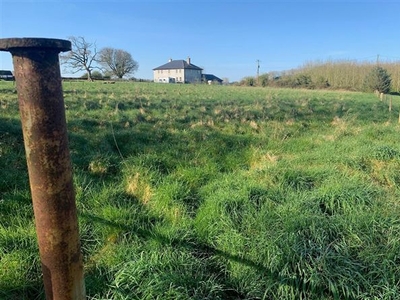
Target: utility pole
(258,70)
(377,60)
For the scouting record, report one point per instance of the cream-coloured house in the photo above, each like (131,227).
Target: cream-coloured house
(181,71)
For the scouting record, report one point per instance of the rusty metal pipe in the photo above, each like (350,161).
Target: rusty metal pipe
(41,104)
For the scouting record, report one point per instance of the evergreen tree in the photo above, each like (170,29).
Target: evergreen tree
(378,80)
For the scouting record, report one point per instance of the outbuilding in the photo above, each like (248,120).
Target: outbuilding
(6,75)
(211,79)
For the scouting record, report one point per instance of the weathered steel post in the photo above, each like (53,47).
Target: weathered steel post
(41,104)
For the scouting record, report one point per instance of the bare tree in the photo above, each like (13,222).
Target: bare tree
(82,57)
(117,61)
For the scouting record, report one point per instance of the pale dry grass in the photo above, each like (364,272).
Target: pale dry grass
(138,187)
(98,167)
(261,161)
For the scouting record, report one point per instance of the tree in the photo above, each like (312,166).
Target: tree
(117,61)
(378,80)
(82,57)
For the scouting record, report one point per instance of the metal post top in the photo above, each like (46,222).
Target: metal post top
(11,44)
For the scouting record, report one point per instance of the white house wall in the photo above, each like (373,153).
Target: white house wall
(178,74)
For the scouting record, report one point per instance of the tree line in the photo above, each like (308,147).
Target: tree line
(85,57)
(344,74)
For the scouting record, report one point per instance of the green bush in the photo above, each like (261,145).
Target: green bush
(95,75)
(248,81)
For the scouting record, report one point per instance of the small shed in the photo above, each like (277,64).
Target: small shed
(210,78)
(6,75)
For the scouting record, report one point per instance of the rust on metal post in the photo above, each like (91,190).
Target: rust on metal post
(41,104)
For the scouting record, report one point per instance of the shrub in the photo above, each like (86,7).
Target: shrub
(263,80)
(303,81)
(95,75)
(248,81)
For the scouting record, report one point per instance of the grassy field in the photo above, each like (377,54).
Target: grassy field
(217,192)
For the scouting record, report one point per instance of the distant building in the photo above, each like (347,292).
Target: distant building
(179,71)
(210,79)
(6,75)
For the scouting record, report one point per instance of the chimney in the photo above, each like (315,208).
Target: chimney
(188,60)
(170,60)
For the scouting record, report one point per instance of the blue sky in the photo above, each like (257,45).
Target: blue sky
(225,37)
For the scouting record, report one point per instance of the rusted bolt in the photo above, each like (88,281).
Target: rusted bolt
(41,104)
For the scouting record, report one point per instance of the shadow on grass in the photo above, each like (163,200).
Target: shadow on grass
(24,291)
(198,250)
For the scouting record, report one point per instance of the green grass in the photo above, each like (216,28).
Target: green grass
(216,192)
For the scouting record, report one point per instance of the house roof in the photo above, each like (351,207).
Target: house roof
(211,77)
(178,64)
